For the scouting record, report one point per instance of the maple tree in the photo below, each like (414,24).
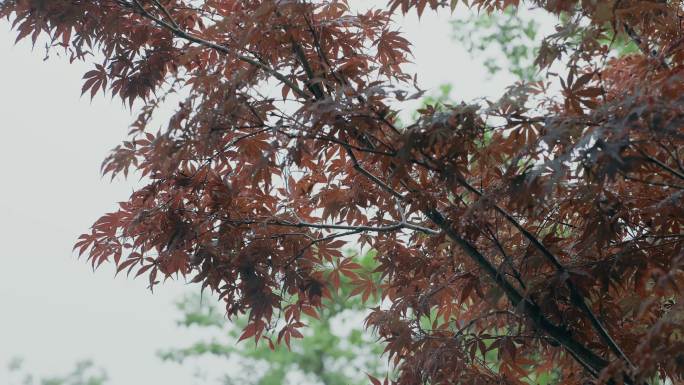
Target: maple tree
(538,232)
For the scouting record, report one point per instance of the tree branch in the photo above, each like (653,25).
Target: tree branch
(575,296)
(222,49)
(323,226)
(167,13)
(577,350)
(372,177)
(661,164)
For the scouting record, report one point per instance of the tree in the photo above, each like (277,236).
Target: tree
(84,373)
(538,233)
(333,352)
(505,41)
(511,35)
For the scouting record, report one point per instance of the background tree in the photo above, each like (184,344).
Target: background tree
(501,41)
(84,373)
(336,350)
(536,233)
(507,41)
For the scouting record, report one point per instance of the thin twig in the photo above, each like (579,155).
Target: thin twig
(223,49)
(661,164)
(167,13)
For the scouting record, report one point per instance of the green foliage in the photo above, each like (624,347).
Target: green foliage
(84,373)
(504,41)
(336,351)
(440,98)
(621,44)
(508,41)
(436,100)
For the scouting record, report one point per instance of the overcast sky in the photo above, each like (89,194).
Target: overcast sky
(53,309)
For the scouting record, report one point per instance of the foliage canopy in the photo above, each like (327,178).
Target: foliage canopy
(541,232)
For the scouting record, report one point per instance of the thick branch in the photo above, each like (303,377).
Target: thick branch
(585,356)
(575,296)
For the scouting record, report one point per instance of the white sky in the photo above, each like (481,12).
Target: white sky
(53,309)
